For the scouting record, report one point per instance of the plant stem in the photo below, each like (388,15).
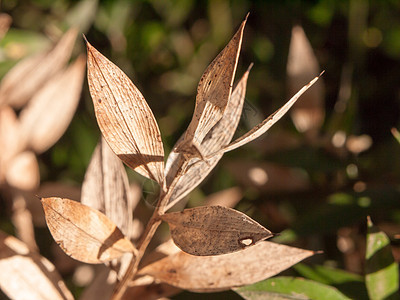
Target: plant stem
(149,232)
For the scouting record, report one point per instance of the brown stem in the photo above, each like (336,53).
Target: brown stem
(148,234)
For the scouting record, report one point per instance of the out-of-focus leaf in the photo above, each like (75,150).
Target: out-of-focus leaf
(11,142)
(213,94)
(220,135)
(102,285)
(261,128)
(106,188)
(396,134)
(309,113)
(289,288)
(27,275)
(269,177)
(50,111)
(83,232)
(358,143)
(151,291)
(350,284)
(22,221)
(227,198)
(327,275)
(381,271)
(5,22)
(23,171)
(125,120)
(213,230)
(82,15)
(222,272)
(29,75)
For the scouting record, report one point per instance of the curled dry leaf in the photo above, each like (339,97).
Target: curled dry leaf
(50,111)
(307,114)
(219,136)
(261,128)
(29,75)
(83,232)
(125,120)
(27,275)
(106,188)
(213,94)
(215,273)
(213,230)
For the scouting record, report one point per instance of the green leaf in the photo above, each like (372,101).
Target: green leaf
(381,271)
(284,287)
(352,285)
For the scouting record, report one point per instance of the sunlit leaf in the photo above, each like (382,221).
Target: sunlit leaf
(125,120)
(83,232)
(214,230)
(27,275)
(222,272)
(213,94)
(381,271)
(290,288)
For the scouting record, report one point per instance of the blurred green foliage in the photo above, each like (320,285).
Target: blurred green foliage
(164,46)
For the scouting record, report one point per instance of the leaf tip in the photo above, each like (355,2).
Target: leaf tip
(250,67)
(322,73)
(318,252)
(85,39)
(247,15)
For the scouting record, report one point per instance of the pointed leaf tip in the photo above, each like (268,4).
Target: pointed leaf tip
(213,93)
(124,117)
(84,38)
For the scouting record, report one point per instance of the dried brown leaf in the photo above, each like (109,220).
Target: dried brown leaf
(106,188)
(261,128)
(219,136)
(125,120)
(29,75)
(50,111)
(27,275)
(83,232)
(213,94)
(213,230)
(307,114)
(23,171)
(213,273)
